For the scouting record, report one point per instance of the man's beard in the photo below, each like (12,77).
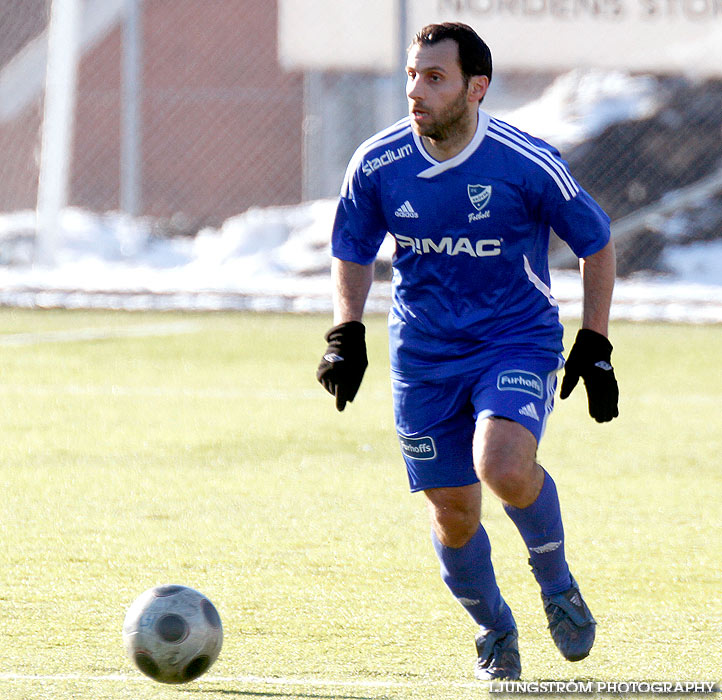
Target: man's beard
(448,121)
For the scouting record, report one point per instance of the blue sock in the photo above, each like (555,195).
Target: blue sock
(540,526)
(469,574)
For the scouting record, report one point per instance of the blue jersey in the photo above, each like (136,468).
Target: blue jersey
(470,270)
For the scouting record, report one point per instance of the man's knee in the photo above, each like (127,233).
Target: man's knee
(505,460)
(454,513)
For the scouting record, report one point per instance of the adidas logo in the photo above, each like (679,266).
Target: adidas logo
(529,411)
(406,211)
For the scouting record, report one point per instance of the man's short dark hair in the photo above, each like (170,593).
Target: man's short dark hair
(474,54)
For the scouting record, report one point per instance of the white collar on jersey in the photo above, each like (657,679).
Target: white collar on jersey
(437,166)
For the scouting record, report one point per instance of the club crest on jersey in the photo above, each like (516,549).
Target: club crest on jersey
(479,195)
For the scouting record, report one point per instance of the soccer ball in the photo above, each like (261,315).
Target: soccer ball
(172,633)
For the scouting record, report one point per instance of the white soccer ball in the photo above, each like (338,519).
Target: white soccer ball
(172,633)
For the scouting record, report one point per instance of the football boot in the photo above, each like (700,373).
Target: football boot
(571,624)
(498,655)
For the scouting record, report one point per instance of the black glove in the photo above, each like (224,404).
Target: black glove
(344,362)
(590,358)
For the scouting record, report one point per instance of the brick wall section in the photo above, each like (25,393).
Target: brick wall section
(221,123)
(20,22)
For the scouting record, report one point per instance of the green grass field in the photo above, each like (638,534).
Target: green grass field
(140,449)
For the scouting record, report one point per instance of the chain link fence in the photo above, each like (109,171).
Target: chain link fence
(220,122)
(224,128)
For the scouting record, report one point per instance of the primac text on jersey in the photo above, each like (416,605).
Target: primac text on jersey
(484,247)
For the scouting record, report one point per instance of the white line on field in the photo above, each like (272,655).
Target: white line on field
(245,392)
(248,680)
(241,393)
(139,331)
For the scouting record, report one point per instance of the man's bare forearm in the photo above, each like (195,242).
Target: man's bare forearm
(351,285)
(598,274)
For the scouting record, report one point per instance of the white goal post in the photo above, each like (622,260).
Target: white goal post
(58,123)
(74,26)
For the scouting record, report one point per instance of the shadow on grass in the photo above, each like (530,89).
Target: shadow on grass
(280,694)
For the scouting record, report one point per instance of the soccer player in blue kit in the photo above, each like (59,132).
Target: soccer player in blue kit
(474,333)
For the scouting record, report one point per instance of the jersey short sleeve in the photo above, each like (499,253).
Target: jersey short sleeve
(582,224)
(560,201)
(359,227)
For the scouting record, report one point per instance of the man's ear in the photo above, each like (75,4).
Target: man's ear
(478,85)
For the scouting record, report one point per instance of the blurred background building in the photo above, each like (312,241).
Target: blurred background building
(255,103)
(221,123)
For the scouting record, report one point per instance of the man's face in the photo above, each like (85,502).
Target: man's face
(438,95)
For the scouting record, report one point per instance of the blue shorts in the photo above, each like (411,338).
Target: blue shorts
(435,420)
